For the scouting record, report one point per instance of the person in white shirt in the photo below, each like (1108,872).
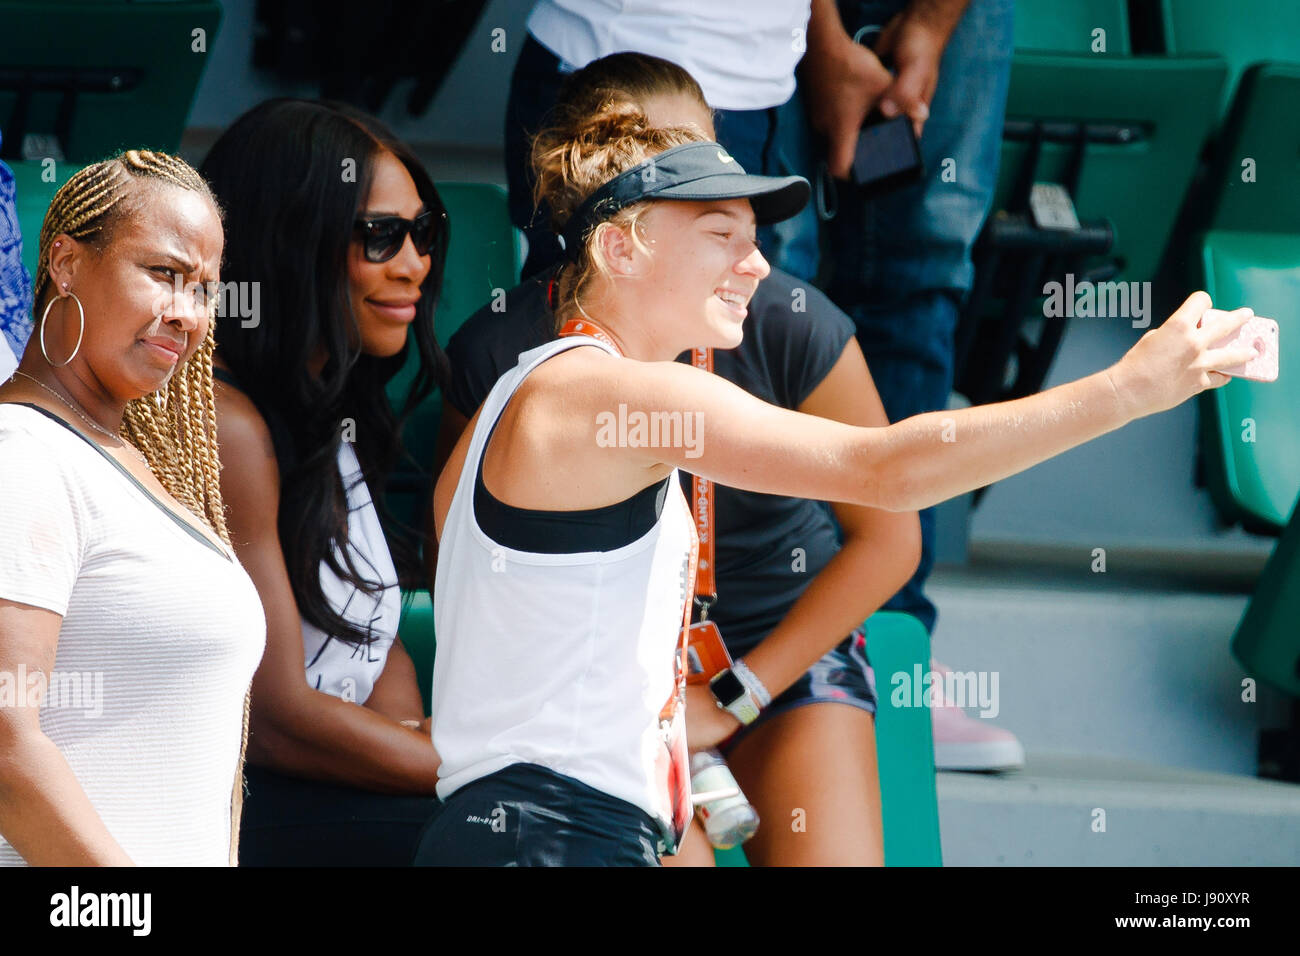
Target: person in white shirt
(129,631)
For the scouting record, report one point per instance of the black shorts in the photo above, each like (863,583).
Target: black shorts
(528,815)
(842,676)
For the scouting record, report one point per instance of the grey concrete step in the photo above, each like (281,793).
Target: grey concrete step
(1131,490)
(1052,813)
(1090,665)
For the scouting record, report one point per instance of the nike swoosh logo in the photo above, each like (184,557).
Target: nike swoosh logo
(724,157)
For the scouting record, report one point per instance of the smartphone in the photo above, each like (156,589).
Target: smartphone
(1261,334)
(887,156)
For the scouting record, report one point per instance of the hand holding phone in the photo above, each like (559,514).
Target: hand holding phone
(1258,333)
(887,155)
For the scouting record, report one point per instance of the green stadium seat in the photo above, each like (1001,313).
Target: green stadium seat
(416,631)
(484,255)
(1137,186)
(135,93)
(1049,25)
(1243,32)
(1249,255)
(1121,135)
(1267,641)
(1261,127)
(909,804)
(1251,430)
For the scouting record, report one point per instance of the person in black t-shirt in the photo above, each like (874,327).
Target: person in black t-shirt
(795,577)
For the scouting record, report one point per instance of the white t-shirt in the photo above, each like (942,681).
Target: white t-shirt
(162,630)
(743,55)
(562,660)
(333,666)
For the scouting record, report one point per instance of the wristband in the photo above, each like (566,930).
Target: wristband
(752,683)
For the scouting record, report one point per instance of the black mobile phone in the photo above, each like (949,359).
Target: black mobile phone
(887,157)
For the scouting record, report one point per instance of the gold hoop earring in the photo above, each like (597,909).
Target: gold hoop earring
(80,333)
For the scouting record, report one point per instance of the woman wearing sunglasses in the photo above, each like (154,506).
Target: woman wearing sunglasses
(335,246)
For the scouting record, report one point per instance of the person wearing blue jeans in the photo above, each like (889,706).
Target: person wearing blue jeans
(900,264)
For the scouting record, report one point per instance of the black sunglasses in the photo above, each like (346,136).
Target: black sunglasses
(383,237)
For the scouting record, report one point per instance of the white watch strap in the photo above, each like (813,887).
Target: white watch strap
(744,708)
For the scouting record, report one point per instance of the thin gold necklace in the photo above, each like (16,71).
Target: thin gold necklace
(85,418)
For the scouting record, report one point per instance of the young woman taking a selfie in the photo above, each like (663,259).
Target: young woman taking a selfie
(565,559)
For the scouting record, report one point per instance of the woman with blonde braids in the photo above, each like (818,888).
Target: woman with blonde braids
(129,632)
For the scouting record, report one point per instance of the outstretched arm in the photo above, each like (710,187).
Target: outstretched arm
(928,458)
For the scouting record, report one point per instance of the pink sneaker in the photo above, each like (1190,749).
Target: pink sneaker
(962,742)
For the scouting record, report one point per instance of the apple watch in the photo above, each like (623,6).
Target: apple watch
(733,696)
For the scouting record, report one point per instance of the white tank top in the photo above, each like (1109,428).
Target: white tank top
(562,660)
(334,666)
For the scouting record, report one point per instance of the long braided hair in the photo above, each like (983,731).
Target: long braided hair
(178,436)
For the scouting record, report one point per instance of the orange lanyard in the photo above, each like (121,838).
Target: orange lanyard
(589,328)
(706,588)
